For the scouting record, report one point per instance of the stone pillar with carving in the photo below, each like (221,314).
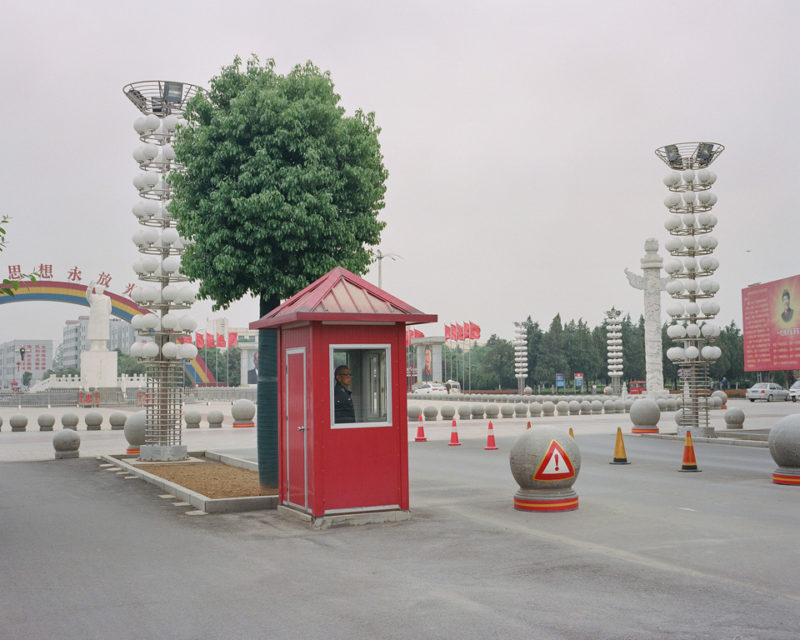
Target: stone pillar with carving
(652,284)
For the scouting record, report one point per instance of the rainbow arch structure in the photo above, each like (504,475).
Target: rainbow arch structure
(74,293)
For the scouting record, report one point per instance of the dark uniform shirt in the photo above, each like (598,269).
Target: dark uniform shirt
(343,404)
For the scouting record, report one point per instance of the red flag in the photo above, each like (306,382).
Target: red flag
(210,342)
(447,332)
(220,340)
(233,338)
(418,334)
(459,332)
(199,340)
(474,331)
(408,337)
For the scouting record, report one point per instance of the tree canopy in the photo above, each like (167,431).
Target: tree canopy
(279,186)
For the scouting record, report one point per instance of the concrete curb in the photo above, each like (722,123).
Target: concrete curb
(198,500)
(737,442)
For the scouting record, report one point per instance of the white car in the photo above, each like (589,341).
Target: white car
(768,391)
(794,391)
(431,387)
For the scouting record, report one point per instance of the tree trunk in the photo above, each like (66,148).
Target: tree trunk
(267,399)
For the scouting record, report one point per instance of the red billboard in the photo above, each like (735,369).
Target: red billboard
(771,325)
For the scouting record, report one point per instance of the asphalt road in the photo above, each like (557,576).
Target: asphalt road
(650,553)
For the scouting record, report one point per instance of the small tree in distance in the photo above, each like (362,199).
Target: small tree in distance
(279,187)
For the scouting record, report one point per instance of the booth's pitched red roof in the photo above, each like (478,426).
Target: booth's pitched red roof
(342,296)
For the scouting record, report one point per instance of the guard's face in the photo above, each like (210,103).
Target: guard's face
(345,377)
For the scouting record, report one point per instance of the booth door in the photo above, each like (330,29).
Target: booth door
(296,433)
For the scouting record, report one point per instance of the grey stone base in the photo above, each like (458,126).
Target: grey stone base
(166,453)
(697,432)
(343,519)
(18,428)
(50,428)
(62,455)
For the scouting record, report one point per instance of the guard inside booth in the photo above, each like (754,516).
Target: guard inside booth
(365,399)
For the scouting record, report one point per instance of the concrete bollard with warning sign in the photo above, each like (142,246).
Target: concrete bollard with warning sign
(545,463)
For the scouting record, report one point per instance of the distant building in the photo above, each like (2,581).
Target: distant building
(121,336)
(38,358)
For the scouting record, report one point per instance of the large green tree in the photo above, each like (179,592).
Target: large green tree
(279,187)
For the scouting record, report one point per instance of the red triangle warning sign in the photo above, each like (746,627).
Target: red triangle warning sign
(555,464)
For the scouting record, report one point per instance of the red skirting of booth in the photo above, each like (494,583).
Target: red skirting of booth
(563,504)
(781,478)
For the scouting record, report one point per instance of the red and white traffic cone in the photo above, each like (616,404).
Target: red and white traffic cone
(420,431)
(490,445)
(454,436)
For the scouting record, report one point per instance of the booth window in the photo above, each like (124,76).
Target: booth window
(368,386)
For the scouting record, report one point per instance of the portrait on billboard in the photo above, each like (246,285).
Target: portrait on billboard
(427,367)
(771,329)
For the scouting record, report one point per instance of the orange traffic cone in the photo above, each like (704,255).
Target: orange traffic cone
(420,431)
(529,426)
(619,450)
(571,434)
(689,461)
(490,445)
(454,436)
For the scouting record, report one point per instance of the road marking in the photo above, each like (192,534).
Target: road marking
(687,509)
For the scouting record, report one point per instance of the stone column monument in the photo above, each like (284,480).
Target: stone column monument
(652,284)
(98,364)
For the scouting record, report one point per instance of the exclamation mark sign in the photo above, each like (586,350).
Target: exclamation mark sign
(555,455)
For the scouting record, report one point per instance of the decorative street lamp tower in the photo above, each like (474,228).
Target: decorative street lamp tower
(520,355)
(614,342)
(692,288)
(166,332)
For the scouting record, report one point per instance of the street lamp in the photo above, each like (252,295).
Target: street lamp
(520,355)
(692,288)
(379,256)
(614,343)
(164,292)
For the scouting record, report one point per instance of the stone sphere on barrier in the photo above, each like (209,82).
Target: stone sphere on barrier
(562,408)
(619,405)
(645,414)
(574,407)
(134,429)
(492,410)
(192,418)
(597,407)
(70,421)
(527,391)
(18,422)
(66,444)
(477,411)
(721,395)
(548,408)
(734,419)
(46,421)
(448,412)
(714,402)
(535,409)
(215,418)
(520,410)
(430,413)
(243,410)
(586,407)
(678,417)
(507,410)
(628,404)
(93,420)
(464,412)
(117,420)
(414,412)
(784,442)
(609,406)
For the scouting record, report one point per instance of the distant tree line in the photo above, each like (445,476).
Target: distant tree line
(575,347)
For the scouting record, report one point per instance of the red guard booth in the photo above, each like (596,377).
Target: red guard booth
(342,465)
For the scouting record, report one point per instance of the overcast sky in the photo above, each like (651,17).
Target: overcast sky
(518,137)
